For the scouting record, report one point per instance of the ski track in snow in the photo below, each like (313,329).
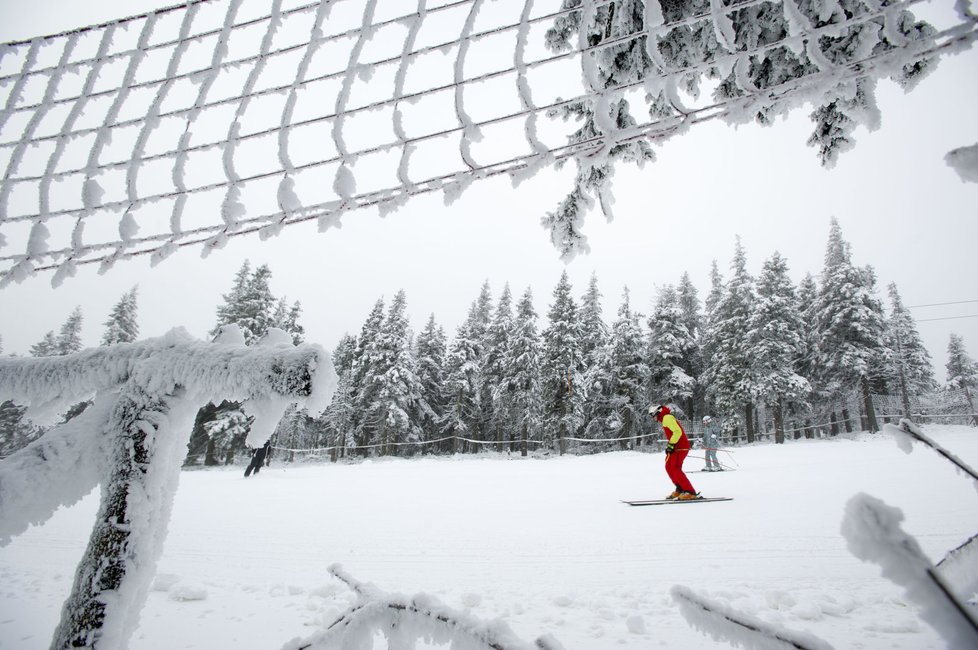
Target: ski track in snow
(542,543)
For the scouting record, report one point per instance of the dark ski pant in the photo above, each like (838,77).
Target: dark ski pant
(257,460)
(674,468)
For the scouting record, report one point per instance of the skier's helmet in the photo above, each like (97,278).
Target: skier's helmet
(655,409)
(707,419)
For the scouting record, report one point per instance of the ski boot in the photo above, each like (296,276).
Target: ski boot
(688,496)
(675,494)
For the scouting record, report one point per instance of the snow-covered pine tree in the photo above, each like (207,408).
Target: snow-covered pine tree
(776,341)
(910,368)
(962,372)
(479,319)
(231,311)
(706,342)
(522,371)
(669,343)
(400,403)
(226,432)
(850,327)
(563,366)
(16,432)
(257,305)
(430,349)
(286,319)
(807,299)
(494,391)
(292,325)
(46,347)
(462,394)
(69,338)
(627,375)
(594,339)
(121,327)
(366,364)
(728,370)
(337,420)
(692,362)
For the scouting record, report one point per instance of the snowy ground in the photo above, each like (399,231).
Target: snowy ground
(542,544)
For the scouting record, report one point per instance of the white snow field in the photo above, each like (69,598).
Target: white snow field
(541,544)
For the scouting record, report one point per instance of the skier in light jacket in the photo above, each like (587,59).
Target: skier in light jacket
(711,442)
(677,447)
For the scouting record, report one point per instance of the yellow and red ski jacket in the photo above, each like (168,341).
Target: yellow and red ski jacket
(673,430)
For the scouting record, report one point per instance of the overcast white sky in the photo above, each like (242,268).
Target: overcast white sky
(901,208)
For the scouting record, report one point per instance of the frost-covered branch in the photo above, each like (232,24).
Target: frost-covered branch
(403,620)
(907,432)
(725,624)
(964,160)
(68,461)
(872,531)
(960,567)
(208,372)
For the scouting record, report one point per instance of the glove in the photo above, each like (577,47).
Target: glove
(670,448)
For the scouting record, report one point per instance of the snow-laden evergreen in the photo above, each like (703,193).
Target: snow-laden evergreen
(400,405)
(462,395)
(366,364)
(594,339)
(522,371)
(910,368)
(627,372)
(430,350)
(563,365)
(776,341)
(851,327)
(495,392)
(69,337)
(122,325)
(693,319)
(670,343)
(728,373)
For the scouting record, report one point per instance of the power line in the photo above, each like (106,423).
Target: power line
(941,304)
(925,320)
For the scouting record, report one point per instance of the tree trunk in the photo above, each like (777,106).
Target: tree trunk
(846,421)
(113,576)
(870,409)
(778,423)
(626,430)
(526,435)
(749,421)
(834,429)
(210,456)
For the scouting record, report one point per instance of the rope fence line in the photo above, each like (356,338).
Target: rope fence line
(40,256)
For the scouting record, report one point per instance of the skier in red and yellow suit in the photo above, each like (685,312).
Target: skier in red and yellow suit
(677,447)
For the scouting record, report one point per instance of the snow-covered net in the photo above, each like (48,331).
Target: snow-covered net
(208,120)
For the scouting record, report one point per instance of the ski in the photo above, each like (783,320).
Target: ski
(661,502)
(703,471)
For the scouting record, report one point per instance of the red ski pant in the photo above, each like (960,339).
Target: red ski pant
(674,468)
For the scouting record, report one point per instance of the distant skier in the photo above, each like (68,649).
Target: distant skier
(677,447)
(711,442)
(258,458)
